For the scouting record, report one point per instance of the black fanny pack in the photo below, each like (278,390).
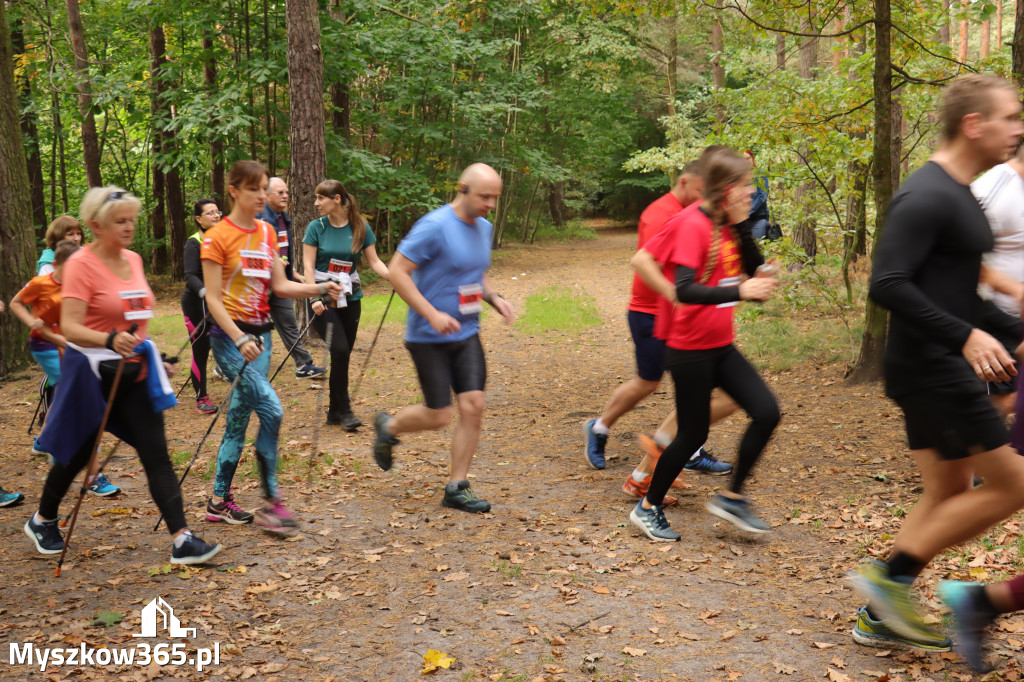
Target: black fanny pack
(108,370)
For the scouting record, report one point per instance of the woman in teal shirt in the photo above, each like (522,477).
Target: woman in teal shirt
(330,251)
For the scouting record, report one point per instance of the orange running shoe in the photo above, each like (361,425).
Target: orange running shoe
(634,489)
(653,451)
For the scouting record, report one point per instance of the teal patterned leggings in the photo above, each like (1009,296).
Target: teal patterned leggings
(252,394)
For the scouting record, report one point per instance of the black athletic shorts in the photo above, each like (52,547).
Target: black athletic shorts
(445,367)
(1006,329)
(957,423)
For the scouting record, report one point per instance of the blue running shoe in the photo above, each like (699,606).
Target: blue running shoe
(101,487)
(37,449)
(595,445)
(9,499)
(705,463)
(971,621)
(736,512)
(871,632)
(653,523)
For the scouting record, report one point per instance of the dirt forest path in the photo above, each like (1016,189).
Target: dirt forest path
(553,584)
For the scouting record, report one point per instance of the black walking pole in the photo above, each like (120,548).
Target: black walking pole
(223,408)
(320,402)
(42,394)
(383,317)
(294,346)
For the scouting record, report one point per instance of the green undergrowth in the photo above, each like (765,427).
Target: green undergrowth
(558,309)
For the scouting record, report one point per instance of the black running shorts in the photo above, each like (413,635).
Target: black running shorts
(957,423)
(445,367)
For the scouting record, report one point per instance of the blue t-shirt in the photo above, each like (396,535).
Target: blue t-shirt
(452,257)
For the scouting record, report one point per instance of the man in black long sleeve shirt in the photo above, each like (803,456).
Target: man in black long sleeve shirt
(926,272)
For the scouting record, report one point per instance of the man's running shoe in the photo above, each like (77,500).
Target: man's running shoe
(705,463)
(890,599)
(227,510)
(345,420)
(871,632)
(653,523)
(37,449)
(595,445)
(463,497)
(653,451)
(309,371)
(9,499)
(219,374)
(45,535)
(636,489)
(384,442)
(205,406)
(275,518)
(101,487)
(971,621)
(194,551)
(736,512)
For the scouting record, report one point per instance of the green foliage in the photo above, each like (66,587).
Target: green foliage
(560,310)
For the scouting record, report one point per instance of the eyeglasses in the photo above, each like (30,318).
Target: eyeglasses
(212,214)
(282,193)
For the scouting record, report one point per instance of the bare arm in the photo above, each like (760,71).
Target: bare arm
(309,261)
(1001,282)
(72,324)
(650,272)
(498,302)
(375,263)
(401,270)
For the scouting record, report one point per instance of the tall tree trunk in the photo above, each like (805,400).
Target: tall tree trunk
(780,51)
(556,202)
(30,137)
(341,119)
(90,140)
(216,141)
(986,38)
(964,30)
(162,116)
(17,251)
(876,319)
(805,233)
(158,222)
(717,70)
(944,36)
(306,134)
(999,25)
(1018,44)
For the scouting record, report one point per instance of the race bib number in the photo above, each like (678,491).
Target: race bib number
(470,299)
(728,282)
(255,264)
(137,305)
(338,267)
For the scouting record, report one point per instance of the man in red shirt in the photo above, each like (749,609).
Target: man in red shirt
(650,351)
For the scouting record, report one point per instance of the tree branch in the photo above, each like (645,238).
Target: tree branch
(920,81)
(775,29)
(824,187)
(934,54)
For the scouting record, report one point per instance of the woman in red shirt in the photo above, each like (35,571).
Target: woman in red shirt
(702,276)
(105,292)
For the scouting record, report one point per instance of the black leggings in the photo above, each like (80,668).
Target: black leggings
(694,379)
(343,339)
(132,415)
(195,311)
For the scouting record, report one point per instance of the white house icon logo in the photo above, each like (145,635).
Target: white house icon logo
(151,614)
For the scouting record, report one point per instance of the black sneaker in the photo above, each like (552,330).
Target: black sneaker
(350,422)
(45,535)
(464,498)
(382,445)
(227,510)
(310,371)
(333,418)
(194,551)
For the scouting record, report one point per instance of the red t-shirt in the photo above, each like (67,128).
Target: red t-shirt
(113,303)
(686,240)
(654,217)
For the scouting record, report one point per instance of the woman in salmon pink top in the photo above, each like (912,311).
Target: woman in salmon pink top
(240,266)
(695,264)
(104,293)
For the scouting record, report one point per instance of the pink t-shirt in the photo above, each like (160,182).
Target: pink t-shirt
(113,303)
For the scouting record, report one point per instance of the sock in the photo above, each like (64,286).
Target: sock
(640,476)
(599,428)
(902,565)
(37,519)
(695,456)
(662,438)
(180,540)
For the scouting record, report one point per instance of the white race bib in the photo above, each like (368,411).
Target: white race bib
(470,298)
(137,304)
(728,282)
(255,264)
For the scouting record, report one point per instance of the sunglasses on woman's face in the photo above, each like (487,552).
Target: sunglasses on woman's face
(114,196)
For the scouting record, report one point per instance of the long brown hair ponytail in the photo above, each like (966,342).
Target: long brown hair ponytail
(332,189)
(723,169)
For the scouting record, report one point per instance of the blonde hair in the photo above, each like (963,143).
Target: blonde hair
(59,229)
(98,202)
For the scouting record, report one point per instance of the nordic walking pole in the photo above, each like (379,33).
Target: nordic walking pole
(294,345)
(196,333)
(320,402)
(91,469)
(223,407)
(36,413)
(383,317)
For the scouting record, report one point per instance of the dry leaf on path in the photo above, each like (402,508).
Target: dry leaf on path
(636,653)
(783,669)
(434,659)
